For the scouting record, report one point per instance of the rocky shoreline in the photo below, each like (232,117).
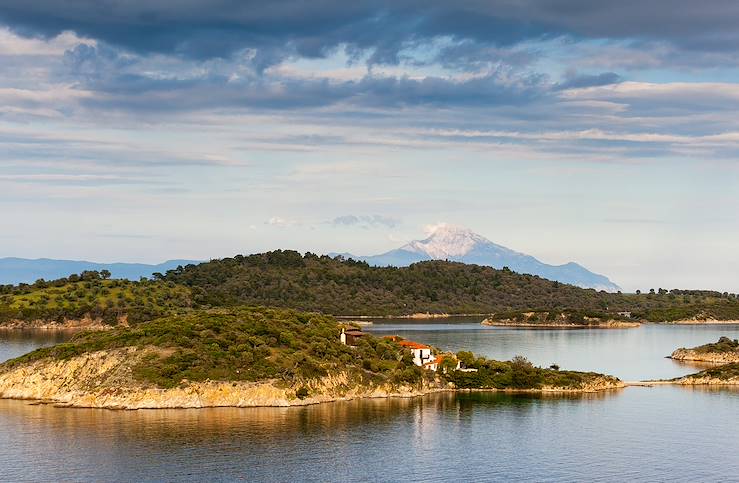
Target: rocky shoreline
(417,315)
(693,355)
(609,324)
(103,379)
(707,378)
(700,322)
(85,323)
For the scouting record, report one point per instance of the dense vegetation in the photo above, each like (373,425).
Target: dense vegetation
(723,345)
(257,343)
(348,287)
(518,373)
(92,295)
(244,344)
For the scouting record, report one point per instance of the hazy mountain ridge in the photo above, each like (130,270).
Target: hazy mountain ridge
(24,270)
(457,244)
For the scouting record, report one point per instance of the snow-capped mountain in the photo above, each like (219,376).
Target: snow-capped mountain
(448,242)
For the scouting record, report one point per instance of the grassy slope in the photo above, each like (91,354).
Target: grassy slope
(104,299)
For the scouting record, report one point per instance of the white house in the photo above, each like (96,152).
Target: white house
(435,364)
(421,353)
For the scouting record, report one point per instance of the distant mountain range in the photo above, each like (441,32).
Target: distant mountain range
(447,242)
(452,243)
(23,270)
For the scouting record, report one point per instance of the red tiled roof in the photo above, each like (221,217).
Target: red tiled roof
(413,345)
(438,361)
(355,333)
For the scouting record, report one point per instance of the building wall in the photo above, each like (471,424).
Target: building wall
(420,356)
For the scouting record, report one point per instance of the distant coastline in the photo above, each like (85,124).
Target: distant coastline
(610,324)
(85,323)
(417,315)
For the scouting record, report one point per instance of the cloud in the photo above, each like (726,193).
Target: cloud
(138,90)
(575,81)
(281,29)
(72,179)
(280,222)
(366,221)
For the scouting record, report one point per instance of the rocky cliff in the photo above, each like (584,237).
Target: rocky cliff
(693,355)
(104,379)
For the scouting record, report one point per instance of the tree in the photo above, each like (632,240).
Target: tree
(105,274)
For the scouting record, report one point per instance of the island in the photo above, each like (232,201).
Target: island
(726,374)
(257,356)
(724,351)
(568,319)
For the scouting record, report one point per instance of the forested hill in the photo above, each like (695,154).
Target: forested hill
(347,287)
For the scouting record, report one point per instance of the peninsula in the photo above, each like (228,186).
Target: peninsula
(254,356)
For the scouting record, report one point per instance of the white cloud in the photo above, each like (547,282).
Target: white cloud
(281,222)
(15,45)
(366,221)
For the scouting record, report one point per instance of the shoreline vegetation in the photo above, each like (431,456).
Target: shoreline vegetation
(255,356)
(558,320)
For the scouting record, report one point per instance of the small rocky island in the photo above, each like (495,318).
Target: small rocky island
(724,351)
(727,374)
(568,319)
(255,356)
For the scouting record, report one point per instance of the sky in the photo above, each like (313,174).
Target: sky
(600,132)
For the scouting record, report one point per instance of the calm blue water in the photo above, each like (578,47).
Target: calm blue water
(636,434)
(630,354)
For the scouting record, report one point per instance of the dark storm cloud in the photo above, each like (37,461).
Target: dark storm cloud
(281,28)
(141,93)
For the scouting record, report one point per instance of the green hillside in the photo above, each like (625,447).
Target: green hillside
(347,287)
(335,286)
(243,344)
(90,295)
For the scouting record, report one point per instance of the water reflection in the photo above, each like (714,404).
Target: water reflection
(655,434)
(15,342)
(472,436)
